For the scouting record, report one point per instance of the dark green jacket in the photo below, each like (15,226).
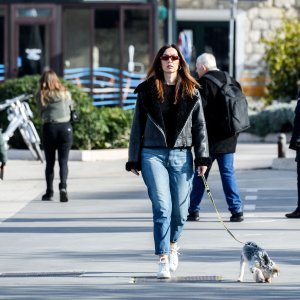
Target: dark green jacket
(58,110)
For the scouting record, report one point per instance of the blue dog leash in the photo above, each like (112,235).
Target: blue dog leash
(218,214)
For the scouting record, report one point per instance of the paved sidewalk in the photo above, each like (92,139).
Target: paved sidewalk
(100,243)
(24,177)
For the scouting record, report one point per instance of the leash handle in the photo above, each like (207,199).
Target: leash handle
(218,214)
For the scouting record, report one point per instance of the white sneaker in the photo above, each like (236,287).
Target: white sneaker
(174,258)
(164,269)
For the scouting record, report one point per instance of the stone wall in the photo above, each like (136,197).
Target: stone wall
(245,5)
(262,22)
(261,19)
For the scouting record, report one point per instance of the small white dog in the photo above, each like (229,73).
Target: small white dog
(260,264)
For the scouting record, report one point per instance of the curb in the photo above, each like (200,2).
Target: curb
(284,164)
(122,154)
(75,155)
(246,137)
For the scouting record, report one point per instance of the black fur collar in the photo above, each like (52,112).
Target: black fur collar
(149,96)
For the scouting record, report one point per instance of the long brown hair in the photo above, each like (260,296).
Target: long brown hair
(49,86)
(185,84)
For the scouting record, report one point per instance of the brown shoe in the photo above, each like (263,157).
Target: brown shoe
(294,215)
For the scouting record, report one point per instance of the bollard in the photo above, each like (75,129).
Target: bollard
(281,145)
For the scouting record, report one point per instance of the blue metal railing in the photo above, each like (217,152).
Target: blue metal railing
(2,72)
(106,85)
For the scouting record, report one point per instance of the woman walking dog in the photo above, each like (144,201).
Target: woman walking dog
(167,122)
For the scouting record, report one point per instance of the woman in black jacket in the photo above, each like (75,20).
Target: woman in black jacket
(168,121)
(295,145)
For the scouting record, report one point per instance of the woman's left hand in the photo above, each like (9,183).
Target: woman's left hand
(201,170)
(136,172)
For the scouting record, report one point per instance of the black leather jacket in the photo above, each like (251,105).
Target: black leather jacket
(148,128)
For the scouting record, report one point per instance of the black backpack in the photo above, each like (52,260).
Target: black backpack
(235,118)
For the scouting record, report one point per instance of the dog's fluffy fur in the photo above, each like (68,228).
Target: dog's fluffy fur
(260,264)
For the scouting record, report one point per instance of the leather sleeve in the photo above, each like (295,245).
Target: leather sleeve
(200,139)
(136,136)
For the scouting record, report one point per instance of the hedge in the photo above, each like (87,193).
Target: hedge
(109,127)
(276,118)
(98,128)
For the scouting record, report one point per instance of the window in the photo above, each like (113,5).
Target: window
(106,58)
(77,47)
(34,12)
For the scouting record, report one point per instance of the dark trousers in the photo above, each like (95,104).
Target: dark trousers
(230,188)
(298,183)
(57,136)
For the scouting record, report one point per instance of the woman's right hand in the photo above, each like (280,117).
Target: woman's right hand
(201,170)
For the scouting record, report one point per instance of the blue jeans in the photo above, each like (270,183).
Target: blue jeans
(225,163)
(168,175)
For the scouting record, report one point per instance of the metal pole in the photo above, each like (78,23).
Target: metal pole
(233,5)
(172,22)
(281,145)
(155,29)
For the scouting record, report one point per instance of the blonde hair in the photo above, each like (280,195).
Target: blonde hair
(50,86)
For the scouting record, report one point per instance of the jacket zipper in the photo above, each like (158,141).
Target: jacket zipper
(185,123)
(159,128)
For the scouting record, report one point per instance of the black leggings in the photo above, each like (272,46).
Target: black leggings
(57,136)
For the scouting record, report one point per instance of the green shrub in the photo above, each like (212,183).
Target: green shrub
(273,119)
(98,128)
(283,60)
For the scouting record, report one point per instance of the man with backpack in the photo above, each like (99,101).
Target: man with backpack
(222,132)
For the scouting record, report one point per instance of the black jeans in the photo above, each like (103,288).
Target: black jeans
(57,136)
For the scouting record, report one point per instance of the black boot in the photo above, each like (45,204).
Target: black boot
(48,196)
(63,195)
(295,214)
(63,192)
(237,217)
(193,216)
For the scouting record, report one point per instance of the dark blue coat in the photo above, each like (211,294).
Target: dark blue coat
(210,94)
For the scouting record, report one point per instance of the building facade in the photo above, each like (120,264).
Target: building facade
(103,46)
(106,46)
(207,23)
